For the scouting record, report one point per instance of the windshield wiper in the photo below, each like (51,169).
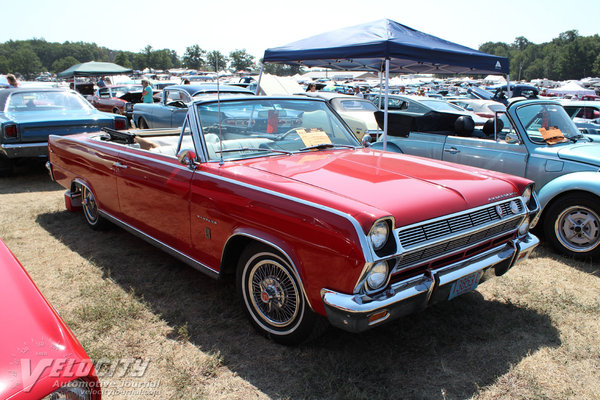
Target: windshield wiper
(253,149)
(324,146)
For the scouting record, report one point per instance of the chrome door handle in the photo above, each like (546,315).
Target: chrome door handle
(452,150)
(119,165)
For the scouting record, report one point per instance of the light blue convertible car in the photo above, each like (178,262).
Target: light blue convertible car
(170,111)
(535,139)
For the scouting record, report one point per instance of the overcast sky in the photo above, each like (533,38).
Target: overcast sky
(228,25)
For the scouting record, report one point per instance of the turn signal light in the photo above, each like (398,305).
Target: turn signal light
(378,317)
(10,131)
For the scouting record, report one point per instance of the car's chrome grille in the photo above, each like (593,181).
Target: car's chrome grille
(461,231)
(455,225)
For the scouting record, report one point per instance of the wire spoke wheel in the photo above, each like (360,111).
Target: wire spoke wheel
(273,292)
(90,208)
(272,296)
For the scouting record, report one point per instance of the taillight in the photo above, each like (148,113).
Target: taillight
(120,124)
(10,131)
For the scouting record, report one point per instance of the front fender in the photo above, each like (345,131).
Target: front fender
(587,181)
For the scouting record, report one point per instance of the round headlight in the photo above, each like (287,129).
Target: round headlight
(527,195)
(377,276)
(379,234)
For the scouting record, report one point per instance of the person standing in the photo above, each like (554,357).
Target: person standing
(12,81)
(357,92)
(147,92)
(101,83)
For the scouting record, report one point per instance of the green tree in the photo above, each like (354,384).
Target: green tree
(122,60)
(216,60)
(63,64)
(194,57)
(240,60)
(26,62)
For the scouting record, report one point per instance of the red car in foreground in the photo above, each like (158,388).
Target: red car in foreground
(279,192)
(39,355)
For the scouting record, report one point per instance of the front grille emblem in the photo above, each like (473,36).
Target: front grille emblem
(499,210)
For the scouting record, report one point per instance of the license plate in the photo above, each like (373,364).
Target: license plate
(465,284)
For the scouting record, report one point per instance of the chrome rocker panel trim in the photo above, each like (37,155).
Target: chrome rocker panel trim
(352,312)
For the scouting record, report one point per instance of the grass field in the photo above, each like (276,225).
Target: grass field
(531,334)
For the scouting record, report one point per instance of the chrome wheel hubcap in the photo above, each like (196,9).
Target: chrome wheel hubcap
(578,229)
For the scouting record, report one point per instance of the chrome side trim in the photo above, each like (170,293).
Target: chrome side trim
(165,247)
(294,268)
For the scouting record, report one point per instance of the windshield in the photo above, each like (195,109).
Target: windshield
(46,101)
(270,126)
(547,123)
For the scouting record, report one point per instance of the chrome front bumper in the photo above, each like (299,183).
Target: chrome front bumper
(357,313)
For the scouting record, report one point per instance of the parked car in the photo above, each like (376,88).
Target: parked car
(499,93)
(115,98)
(170,111)
(535,139)
(585,115)
(358,113)
(39,355)
(483,108)
(29,115)
(279,192)
(420,105)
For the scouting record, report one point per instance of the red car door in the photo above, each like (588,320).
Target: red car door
(154,196)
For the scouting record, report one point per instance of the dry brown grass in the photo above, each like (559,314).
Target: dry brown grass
(532,334)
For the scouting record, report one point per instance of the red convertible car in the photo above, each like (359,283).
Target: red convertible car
(39,355)
(279,192)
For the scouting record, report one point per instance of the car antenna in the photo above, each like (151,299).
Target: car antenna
(221,162)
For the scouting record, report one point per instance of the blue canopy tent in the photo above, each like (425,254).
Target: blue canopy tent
(386,46)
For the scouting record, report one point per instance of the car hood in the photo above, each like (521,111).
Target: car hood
(366,182)
(32,333)
(588,153)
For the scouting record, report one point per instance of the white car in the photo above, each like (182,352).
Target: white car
(358,113)
(483,108)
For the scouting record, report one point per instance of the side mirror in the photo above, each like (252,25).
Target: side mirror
(367,140)
(187,157)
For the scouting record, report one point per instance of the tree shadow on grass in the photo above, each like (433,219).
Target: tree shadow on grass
(447,351)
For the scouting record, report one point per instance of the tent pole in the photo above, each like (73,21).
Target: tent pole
(262,66)
(508,91)
(385,112)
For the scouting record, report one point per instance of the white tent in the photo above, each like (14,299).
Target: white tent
(572,88)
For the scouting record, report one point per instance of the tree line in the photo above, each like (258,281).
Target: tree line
(569,56)
(29,58)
